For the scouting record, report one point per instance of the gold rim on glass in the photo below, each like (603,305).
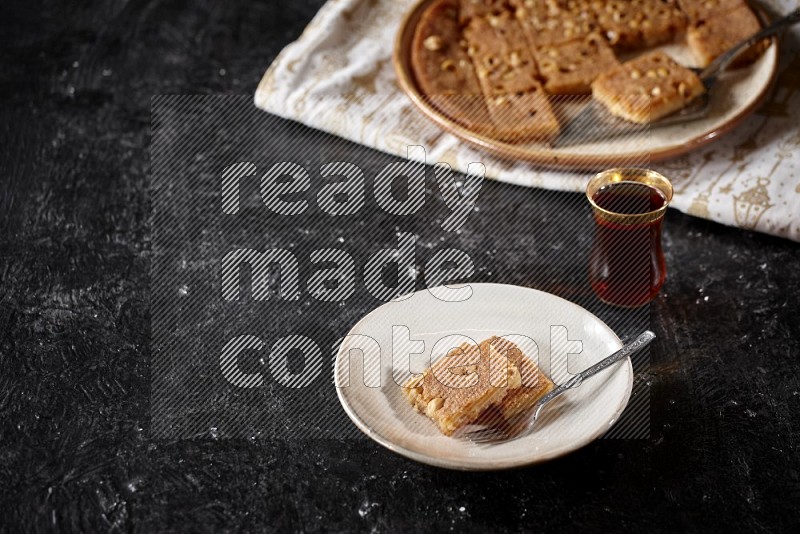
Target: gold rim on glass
(635,175)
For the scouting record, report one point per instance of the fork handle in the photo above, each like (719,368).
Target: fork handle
(719,64)
(633,347)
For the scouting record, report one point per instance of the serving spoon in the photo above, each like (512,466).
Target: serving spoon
(595,123)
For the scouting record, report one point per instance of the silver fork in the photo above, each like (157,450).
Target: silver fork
(511,429)
(594,122)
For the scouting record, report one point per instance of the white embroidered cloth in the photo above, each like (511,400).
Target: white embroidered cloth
(338,77)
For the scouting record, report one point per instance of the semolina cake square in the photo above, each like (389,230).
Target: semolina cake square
(534,383)
(537,8)
(570,68)
(444,71)
(663,21)
(470,9)
(710,38)
(500,55)
(552,8)
(456,389)
(633,24)
(526,116)
(551,25)
(647,88)
(697,10)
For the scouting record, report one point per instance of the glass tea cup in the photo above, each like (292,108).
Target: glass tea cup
(626,262)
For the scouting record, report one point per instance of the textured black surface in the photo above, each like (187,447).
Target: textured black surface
(75,454)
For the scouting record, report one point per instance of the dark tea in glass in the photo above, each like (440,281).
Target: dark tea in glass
(626,263)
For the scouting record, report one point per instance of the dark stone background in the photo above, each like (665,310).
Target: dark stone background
(75,455)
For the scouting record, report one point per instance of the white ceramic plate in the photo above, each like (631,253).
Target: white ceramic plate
(368,378)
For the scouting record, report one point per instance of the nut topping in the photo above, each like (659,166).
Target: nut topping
(433,43)
(434,405)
